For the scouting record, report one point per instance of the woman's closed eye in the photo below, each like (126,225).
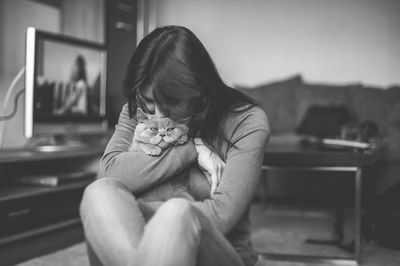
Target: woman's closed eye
(146,103)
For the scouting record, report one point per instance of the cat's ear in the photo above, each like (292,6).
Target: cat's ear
(184,128)
(141,116)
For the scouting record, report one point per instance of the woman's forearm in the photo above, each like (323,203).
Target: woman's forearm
(241,174)
(140,171)
(136,169)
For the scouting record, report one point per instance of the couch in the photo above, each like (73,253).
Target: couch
(287,101)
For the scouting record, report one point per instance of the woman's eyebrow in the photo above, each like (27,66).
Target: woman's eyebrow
(147,99)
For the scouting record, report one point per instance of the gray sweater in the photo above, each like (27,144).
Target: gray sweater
(229,207)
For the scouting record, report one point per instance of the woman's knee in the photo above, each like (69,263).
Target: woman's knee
(177,205)
(98,191)
(179,211)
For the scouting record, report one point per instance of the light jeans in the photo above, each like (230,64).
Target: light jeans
(121,230)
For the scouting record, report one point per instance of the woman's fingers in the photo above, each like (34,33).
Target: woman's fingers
(214,182)
(213,188)
(220,169)
(220,165)
(207,174)
(210,162)
(212,178)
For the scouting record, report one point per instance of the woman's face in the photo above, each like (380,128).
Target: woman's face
(74,72)
(148,100)
(149,106)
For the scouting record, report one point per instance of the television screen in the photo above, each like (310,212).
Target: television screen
(65,81)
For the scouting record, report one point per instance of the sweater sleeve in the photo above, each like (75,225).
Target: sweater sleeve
(136,169)
(241,174)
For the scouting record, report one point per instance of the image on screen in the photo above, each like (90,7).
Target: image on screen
(68,82)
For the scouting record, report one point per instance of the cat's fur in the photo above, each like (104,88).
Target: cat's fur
(153,134)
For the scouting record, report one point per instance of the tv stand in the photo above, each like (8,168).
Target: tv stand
(58,148)
(28,210)
(60,143)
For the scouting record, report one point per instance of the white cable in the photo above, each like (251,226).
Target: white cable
(11,89)
(5,102)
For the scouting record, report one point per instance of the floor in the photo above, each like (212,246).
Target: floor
(278,228)
(34,247)
(284,229)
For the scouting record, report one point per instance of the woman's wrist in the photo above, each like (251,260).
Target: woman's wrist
(187,152)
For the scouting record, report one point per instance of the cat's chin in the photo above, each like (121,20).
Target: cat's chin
(163,144)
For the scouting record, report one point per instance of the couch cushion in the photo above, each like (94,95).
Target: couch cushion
(392,132)
(307,95)
(277,100)
(324,121)
(286,103)
(392,99)
(369,103)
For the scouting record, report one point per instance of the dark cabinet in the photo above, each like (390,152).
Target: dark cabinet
(26,209)
(121,41)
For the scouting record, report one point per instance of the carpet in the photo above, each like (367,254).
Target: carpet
(277,229)
(72,256)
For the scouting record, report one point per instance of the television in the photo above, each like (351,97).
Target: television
(65,90)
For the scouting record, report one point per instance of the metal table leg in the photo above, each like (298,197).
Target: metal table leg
(356,260)
(358,214)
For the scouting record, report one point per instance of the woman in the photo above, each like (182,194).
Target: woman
(75,100)
(171,72)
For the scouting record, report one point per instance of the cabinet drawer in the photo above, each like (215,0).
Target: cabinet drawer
(33,212)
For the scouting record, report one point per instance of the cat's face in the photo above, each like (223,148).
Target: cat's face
(154,129)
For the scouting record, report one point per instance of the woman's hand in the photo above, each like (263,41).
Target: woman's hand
(210,163)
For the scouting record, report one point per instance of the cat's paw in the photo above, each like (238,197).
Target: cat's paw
(133,147)
(155,140)
(164,145)
(153,151)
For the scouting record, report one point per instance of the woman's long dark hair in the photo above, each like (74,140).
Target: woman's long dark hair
(81,68)
(175,65)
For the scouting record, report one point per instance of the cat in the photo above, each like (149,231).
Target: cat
(153,134)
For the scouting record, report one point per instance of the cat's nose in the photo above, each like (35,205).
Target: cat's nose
(162,135)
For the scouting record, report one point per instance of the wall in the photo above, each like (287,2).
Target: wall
(259,41)
(15,17)
(56,53)
(83,19)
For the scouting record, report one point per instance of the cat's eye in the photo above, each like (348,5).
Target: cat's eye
(153,129)
(170,129)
